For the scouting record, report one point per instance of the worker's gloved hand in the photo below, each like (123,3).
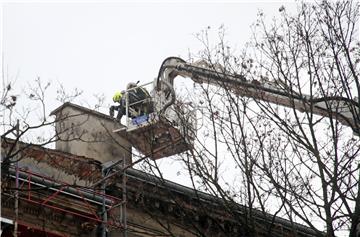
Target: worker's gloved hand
(111,111)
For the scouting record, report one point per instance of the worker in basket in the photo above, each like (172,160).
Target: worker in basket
(138,102)
(139,99)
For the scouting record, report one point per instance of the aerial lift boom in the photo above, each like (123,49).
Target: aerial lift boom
(345,110)
(165,132)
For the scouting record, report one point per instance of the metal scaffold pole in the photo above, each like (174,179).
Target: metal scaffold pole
(17,184)
(124,200)
(103,210)
(106,170)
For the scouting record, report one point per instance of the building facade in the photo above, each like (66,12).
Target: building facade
(64,192)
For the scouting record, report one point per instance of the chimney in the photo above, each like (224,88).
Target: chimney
(89,133)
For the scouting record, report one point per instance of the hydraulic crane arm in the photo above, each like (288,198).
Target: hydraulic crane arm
(344,110)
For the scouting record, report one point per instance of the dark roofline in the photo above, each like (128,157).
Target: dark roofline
(193,193)
(81,108)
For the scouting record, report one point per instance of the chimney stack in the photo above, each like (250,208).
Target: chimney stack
(89,133)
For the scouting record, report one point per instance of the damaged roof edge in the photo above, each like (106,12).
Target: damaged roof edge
(7,140)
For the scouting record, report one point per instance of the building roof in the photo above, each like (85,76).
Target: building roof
(81,108)
(88,168)
(210,199)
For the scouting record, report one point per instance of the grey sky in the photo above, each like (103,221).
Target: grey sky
(99,47)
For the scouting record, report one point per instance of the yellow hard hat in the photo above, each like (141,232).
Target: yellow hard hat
(117,96)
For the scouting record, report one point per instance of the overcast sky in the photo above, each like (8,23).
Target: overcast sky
(100,47)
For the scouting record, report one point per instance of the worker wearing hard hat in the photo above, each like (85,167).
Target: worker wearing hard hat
(137,102)
(118,98)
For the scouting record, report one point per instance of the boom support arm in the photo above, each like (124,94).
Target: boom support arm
(345,110)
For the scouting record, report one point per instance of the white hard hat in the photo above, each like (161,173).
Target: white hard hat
(131,85)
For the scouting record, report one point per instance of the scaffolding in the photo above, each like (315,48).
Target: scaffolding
(47,192)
